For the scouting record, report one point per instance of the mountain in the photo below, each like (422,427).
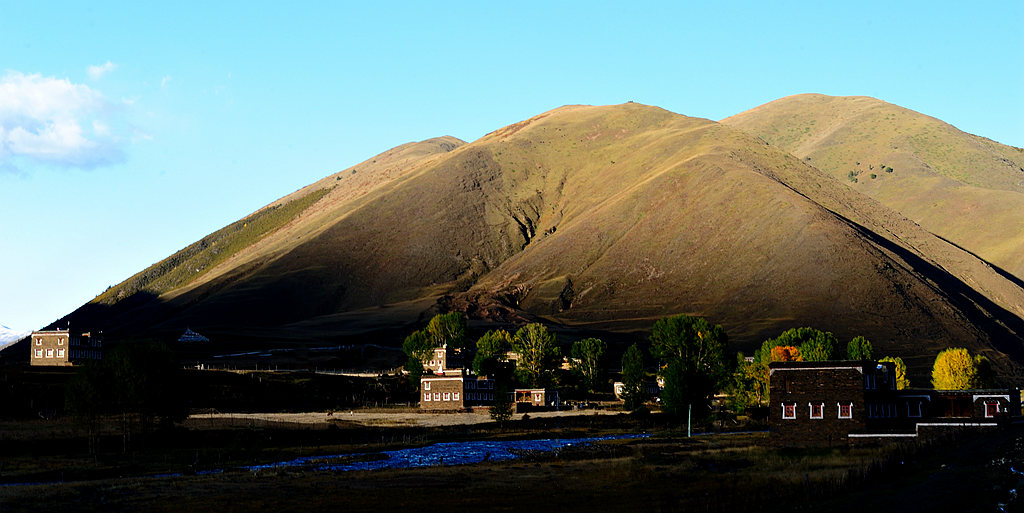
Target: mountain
(961,187)
(596,219)
(9,336)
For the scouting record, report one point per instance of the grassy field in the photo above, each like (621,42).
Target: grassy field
(666,472)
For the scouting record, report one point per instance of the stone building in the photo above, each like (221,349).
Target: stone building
(59,348)
(836,403)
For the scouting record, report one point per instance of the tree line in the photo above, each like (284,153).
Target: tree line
(690,357)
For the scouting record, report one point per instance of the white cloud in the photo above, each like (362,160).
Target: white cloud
(96,72)
(166,80)
(42,120)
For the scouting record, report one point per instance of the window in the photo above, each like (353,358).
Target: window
(845,410)
(789,411)
(60,341)
(39,341)
(437,396)
(60,353)
(447,396)
(817,410)
(426,385)
(426,397)
(49,352)
(39,353)
(538,398)
(455,396)
(991,409)
(914,409)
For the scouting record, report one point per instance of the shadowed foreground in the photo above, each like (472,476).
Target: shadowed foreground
(665,473)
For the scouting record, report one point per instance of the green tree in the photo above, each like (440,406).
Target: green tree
(491,348)
(749,385)
(501,409)
(954,369)
(538,354)
(633,378)
(417,348)
(587,355)
(449,328)
(859,349)
(814,345)
(985,376)
(901,372)
(692,354)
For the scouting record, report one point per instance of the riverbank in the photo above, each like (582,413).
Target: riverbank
(390,417)
(665,472)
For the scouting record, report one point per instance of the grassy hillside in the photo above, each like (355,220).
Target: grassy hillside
(596,218)
(964,188)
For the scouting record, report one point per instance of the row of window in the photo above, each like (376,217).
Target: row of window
(473,384)
(817,410)
(60,341)
(50,353)
(874,409)
(437,396)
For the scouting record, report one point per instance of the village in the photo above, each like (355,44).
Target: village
(827,402)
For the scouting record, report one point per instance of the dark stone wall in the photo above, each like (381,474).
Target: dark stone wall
(802,387)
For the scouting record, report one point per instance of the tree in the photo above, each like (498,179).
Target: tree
(985,377)
(491,348)
(447,329)
(858,349)
(954,369)
(786,354)
(633,378)
(587,355)
(692,354)
(538,354)
(417,348)
(137,381)
(814,345)
(901,372)
(501,409)
(749,384)
(84,399)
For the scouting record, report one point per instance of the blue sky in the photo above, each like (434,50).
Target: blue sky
(130,130)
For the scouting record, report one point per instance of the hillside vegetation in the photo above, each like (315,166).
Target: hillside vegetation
(964,188)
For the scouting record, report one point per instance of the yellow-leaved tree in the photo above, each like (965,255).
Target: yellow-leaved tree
(901,371)
(954,369)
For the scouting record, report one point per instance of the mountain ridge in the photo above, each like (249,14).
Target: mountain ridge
(595,218)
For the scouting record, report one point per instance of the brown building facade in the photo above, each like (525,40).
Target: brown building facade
(825,404)
(58,348)
(442,393)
